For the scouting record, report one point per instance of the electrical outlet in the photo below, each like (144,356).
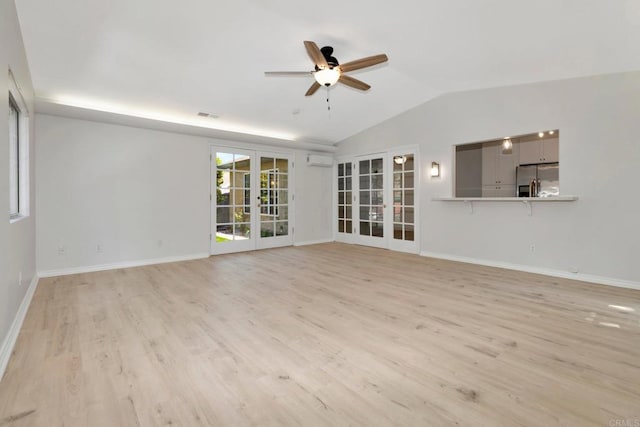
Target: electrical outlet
(532,248)
(61,250)
(574,270)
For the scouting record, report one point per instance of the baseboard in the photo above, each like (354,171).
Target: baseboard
(117,265)
(12,336)
(537,270)
(313,242)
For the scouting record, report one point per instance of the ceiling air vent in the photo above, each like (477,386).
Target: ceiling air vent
(210,115)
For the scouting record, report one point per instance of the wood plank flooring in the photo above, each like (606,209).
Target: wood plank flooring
(327,335)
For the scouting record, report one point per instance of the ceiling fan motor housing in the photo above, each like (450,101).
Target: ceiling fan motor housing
(327,51)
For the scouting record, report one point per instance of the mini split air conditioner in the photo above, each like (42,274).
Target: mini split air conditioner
(319,160)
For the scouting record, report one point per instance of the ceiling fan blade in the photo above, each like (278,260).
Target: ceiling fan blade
(288,73)
(314,87)
(354,83)
(363,62)
(316,55)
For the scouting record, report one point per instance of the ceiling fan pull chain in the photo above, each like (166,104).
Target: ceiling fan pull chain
(328,101)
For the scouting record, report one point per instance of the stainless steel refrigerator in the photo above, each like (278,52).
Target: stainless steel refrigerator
(545,177)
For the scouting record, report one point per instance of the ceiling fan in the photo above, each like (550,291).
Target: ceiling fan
(328,70)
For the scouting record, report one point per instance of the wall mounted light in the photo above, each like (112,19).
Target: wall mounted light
(435,169)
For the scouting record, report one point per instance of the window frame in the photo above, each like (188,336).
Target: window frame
(16,102)
(13,106)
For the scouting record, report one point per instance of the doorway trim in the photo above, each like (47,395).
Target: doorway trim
(388,241)
(252,205)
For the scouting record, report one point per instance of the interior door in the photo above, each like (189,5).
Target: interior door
(250,200)
(370,198)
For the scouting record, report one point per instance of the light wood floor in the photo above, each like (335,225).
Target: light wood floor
(324,335)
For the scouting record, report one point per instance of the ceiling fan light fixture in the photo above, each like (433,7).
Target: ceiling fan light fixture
(399,160)
(327,76)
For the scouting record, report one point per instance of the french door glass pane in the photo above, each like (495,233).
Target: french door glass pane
(365,230)
(371,179)
(365,197)
(274,197)
(282,228)
(403,197)
(408,232)
(376,181)
(408,179)
(266,229)
(364,167)
(233,212)
(376,165)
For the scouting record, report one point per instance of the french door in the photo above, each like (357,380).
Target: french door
(377,200)
(404,196)
(370,198)
(250,200)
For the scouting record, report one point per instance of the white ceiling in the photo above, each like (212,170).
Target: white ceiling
(168,60)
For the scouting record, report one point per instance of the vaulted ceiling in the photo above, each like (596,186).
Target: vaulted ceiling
(169,60)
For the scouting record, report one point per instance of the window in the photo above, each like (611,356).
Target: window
(18,154)
(14,158)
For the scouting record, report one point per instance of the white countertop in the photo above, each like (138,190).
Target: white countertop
(506,199)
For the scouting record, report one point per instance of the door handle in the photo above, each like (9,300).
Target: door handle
(384,205)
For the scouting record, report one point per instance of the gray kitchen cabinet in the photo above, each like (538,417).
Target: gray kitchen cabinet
(544,150)
(499,166)
(501,190)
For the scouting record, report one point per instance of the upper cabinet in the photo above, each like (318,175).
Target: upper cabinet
(499,169)
(542,150)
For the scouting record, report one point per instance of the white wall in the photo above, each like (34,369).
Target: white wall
(17,240)
(599,122)
(128,188)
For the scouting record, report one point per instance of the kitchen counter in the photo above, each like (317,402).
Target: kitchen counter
(528,201)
